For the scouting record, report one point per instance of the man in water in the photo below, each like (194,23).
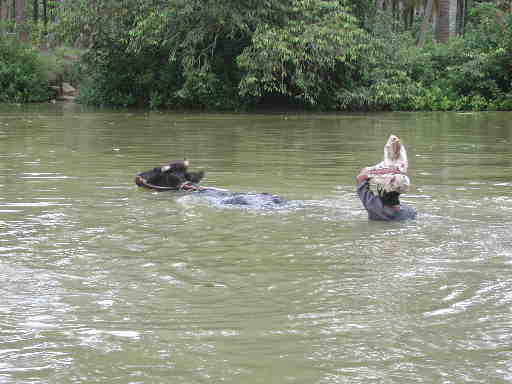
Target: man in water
(385,205)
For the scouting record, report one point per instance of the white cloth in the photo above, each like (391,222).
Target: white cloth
(395,158)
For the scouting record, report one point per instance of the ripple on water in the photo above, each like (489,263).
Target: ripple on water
(104,282)
(34,315)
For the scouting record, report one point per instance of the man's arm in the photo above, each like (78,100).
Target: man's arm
(363,176)
(370,201)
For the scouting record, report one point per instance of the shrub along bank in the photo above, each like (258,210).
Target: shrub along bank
(23,76)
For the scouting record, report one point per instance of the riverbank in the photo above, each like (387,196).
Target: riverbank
(63,92)
(61,68)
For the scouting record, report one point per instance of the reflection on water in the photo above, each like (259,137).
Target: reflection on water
(104,282)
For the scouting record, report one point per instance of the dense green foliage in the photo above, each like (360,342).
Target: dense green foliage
(470,73)
(220,54)
(23,77)
(316,54)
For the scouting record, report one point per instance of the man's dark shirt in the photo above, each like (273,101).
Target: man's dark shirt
(377,210)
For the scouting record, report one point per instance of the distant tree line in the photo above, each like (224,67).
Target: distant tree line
(317,54)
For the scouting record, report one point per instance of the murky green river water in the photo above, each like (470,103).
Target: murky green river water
(102,282)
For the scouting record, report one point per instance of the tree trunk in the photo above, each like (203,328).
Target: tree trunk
(453,17)
(444,31)
(36,11)
(20,20)
(426,21)
(20,12)
(461,17)
(3,18)
(45,15)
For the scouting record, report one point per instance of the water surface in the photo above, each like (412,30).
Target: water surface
(103,282)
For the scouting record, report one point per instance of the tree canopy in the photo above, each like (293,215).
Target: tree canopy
(321,54)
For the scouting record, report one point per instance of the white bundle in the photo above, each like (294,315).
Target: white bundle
(395,160)
(395,156)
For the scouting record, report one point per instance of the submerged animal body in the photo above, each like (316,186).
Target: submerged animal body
(176,177)
(249,200)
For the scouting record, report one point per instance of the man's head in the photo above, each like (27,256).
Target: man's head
(390,198)
(389,188)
